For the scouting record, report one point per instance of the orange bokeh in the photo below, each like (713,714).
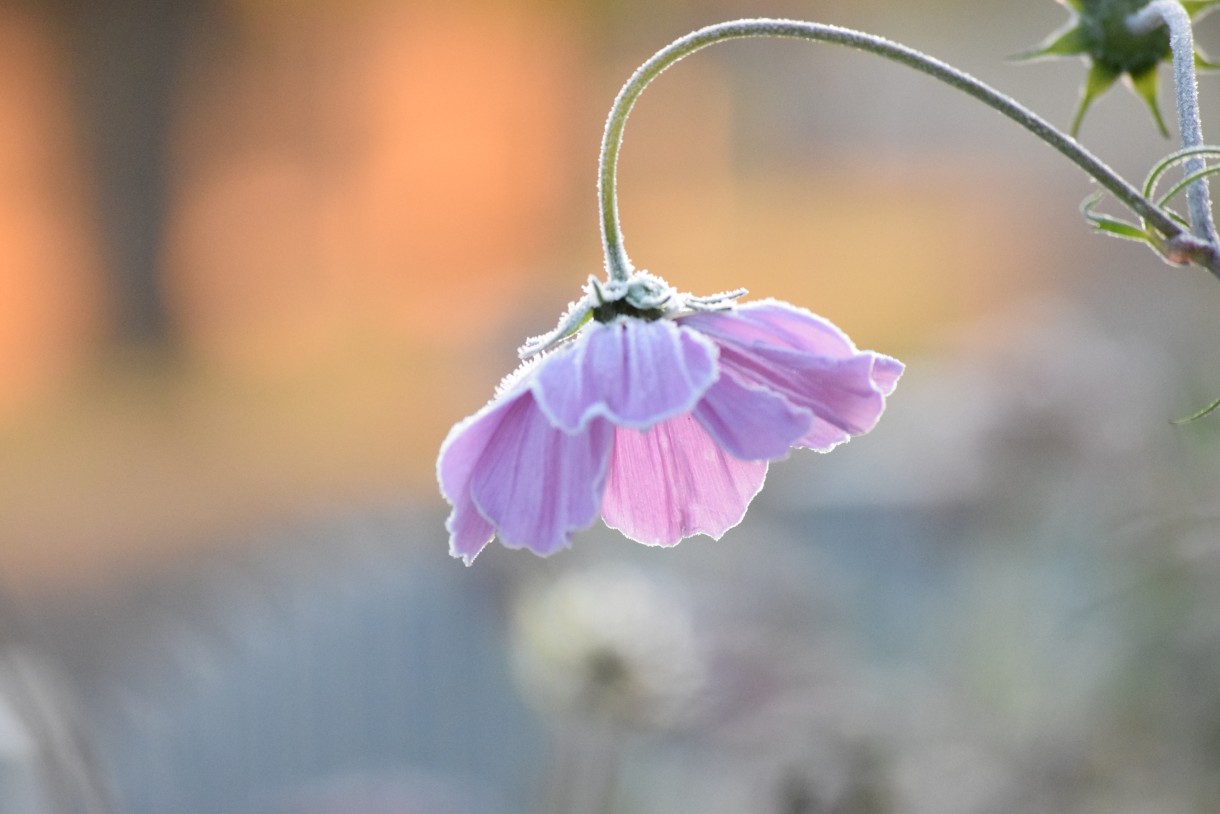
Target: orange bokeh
(401,183)
(370,205)
(50,291)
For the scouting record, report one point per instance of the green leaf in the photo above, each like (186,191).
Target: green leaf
(1111,225)
(1178,219)
(1206,411)
(1185,182)
(1119,228)
(1173,159)
(1145,84)
(1098,82)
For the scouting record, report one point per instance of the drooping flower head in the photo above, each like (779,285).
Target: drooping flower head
(1099,32)
(656,410)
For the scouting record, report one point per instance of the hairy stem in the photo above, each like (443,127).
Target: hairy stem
(618,266)
(1181,41)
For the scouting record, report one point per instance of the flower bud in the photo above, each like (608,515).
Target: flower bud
(1099,31)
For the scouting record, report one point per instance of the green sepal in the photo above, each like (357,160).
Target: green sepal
(1193,8)
(1202,63)
(1097,31)
(1206,411)
(1145,84)
(1096,83)
(1068,42)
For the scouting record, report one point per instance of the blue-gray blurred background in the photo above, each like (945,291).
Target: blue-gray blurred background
(255,259)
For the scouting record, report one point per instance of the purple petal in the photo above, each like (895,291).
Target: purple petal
(842,394)
(886,372)
(774,323)
(460,453)
(806,360)
(673,480)
(506,470)
(632,372)
(751,423)
(537,484)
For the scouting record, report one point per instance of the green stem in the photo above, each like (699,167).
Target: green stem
(618,266)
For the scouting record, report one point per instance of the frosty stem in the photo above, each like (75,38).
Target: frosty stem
(618,266)
(1174,16)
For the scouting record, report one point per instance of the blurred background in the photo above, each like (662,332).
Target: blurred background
(257,257)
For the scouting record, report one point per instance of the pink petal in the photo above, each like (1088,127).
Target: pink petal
(460,453)
(506,470)
(673,480)
(751,423)
(886,372)
(537,484)
(632,372)
(842,394)
(774,323)
(808,361)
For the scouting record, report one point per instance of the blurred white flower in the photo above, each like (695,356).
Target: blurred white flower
(610,643)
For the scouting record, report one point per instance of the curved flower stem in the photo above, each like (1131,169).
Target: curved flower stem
(618,266)
(1174,16)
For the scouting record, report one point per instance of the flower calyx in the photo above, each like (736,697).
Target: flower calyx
(1098,30)
(641,296)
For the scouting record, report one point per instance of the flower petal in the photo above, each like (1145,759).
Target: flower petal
(673,480)
(846,397)
(751,423)
(469,531)
(632,372)
(537,484)
(773,323)
(808,361)
(886,372)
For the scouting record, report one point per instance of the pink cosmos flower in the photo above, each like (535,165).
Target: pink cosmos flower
(656,410)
